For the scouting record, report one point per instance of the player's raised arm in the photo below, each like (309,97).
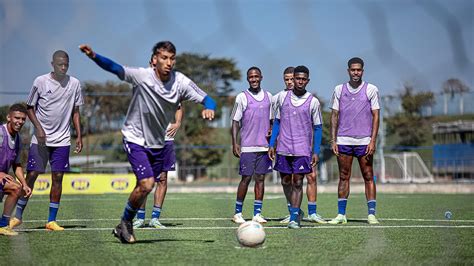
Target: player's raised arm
(210,106)
(104,62)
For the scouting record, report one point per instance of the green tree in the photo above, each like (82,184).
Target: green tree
(3,113)
(410,126)
(214,76)
(452,87)
(105,105)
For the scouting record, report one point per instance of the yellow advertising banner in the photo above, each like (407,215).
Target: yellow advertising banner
(88,183)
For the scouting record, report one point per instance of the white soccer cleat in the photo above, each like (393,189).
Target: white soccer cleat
(316,218)
(286,220)
(372,220)
(238,219)
(156,224)
(340,219)
(139,223)
(259,218)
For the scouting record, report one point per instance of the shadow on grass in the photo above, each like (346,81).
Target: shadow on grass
(148,241)
(65,227)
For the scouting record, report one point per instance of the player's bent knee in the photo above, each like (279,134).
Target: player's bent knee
(146,185)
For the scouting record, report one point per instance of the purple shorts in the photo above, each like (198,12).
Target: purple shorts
(145,162)
(39,155)
(254,163)
(352,150)
(293,164)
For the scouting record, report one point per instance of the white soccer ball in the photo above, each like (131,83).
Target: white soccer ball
(251,234)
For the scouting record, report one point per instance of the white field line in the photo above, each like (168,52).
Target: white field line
(272,219)
(269,227)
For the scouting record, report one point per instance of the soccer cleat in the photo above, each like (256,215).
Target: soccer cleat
(156,223)
(238,219)
(14,222)
(340,219)
(139,223)
(372,220)
(124,232)
(53,226)
(259,218)
(316,218)
(7,231)
(293,225)
(285,220)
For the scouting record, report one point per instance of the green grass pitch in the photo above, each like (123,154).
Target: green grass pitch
(413,230)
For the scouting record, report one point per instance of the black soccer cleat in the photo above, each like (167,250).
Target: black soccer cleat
(124,232)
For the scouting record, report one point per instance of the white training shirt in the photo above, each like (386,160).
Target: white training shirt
(275,102)
(315,107)
(372,95)
(240,106)
(54,103)
(154,104)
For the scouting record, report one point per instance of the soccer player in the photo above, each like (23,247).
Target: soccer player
(286,180)
(156,96)
(354,128)
(298,129)
(161,181)
(53,99)
(252,116)
(10,148)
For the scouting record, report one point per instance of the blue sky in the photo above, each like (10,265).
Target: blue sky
(420,42)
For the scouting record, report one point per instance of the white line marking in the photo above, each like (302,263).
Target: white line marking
(268,227)
(273,219)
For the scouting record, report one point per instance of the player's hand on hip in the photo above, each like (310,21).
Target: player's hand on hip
(208,114)
(271,153)
(335,149)
(87,50)
(172,130)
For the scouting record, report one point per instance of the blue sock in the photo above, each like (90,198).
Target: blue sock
(294,213)
(156,212)
(20,207)
(341,205)
(141,214)
(238,206)
(53,211)
(371,206)
(4,221)
(257,207)
(312,208)
(129,212)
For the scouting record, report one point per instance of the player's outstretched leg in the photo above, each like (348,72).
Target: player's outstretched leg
(124,230)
